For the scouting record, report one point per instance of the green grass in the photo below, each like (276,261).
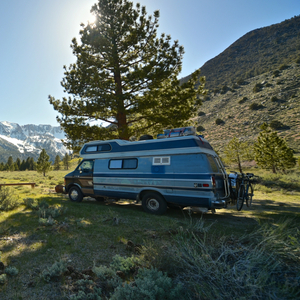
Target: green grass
(93,233)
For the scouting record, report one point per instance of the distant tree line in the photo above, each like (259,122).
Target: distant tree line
(18,165)
(29,164)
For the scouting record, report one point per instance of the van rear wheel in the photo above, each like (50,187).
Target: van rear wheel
(154,203)
(75,194)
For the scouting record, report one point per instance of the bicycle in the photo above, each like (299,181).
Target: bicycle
(245,191)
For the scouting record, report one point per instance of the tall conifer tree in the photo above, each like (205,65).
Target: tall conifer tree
(272,152)
(43,164)
(126,76)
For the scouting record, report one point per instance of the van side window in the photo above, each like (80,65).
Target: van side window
(213,163)
(130,163)
(98,148)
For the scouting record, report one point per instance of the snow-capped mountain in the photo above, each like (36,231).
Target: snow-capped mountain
(28,141)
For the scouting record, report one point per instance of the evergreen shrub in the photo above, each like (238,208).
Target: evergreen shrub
(276,73)
(149,284)
(243,100)
(219,121)
(8,200)
(3,278)
(11,271)
(257,88)
(55,271)
(255,106)
(276,124)
(200,128)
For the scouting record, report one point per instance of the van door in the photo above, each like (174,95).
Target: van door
(220,177)
(83,176)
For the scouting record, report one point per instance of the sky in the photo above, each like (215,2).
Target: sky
(36,36)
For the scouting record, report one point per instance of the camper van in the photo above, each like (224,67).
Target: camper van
(178,168)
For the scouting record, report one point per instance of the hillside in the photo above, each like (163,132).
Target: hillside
(273,96)
(255,53)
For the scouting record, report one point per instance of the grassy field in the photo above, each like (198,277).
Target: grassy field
(76,253)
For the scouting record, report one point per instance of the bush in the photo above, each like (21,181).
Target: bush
(55,271)
(283,67)
(11,271)
(200,128)
(276,73)
(3,278)
(201,113)
(240,81)
(274,99)
(257,88)
(31,203)
(149,284)
(8,200)
(243,100)
(219,121)
(86,290)
(255,106)
(124,264)
(276,124)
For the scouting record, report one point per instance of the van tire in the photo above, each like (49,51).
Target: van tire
(154,203)
(75,194)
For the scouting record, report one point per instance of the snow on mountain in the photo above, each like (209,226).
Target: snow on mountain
(29,140)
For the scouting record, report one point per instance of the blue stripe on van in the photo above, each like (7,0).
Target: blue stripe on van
(161,187)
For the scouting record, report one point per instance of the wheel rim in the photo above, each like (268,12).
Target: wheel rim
(74,194)
(152,204)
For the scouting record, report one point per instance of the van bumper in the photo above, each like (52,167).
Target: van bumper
(60,189)
(219,204)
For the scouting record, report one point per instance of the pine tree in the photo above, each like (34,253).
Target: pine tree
(18,164)
(10,164)
(66,161)
(125,75)
(43,164)
(57,163)
(272,152)
(237,151)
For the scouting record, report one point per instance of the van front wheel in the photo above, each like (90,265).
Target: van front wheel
(75,194)
(154,203)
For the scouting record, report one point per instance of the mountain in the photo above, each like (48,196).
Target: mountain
(28,141)
(254,80)
(255,53)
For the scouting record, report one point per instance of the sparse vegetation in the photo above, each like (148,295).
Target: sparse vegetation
(146,251)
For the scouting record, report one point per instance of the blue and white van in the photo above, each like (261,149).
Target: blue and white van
(181,170)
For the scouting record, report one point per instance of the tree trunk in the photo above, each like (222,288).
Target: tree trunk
(121,113)
(239,164)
